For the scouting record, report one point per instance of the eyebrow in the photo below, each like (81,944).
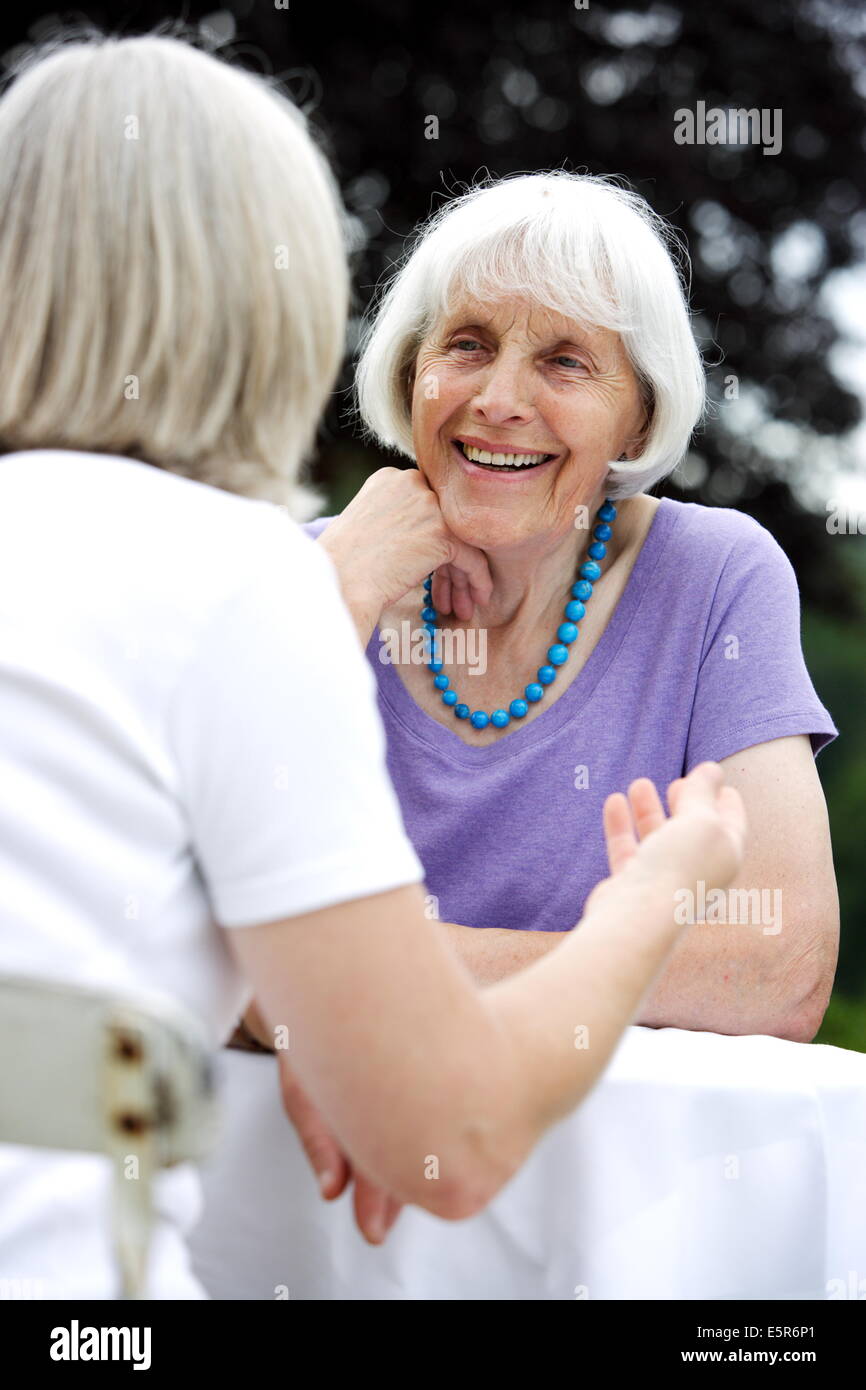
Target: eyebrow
(583,339)
(579,336)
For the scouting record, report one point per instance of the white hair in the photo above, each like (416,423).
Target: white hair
(172,265)
(577,244)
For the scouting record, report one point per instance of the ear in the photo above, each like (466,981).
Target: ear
(637,441)
(410,382)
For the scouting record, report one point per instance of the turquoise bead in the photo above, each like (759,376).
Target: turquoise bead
(557,655)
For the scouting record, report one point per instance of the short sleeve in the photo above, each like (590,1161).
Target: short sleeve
(280,748)
(753,684)
(314,529)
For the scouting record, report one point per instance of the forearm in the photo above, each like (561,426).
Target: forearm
(718,979)
(493,953)
(362,604)
(565,1013)
(732,979)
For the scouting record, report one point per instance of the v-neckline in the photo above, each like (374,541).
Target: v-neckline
(429,732)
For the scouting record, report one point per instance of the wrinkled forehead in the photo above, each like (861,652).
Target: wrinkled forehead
(519,315)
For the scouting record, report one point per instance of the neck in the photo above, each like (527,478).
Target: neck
(531,580)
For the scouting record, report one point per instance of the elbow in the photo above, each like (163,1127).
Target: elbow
(483,1158)
(803,1021)
(812,984)
(489,1122)
(463,1196)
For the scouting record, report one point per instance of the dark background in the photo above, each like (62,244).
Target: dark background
(520,86)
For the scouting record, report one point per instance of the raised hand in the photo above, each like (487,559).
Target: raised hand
(704,837)
(392,535)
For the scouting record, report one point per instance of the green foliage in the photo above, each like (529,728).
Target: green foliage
(844,1024)
(834,655)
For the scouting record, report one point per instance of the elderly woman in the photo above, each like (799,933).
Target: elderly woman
(195,793)
(534,356)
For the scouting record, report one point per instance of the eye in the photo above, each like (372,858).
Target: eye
(565,360)
(466,344)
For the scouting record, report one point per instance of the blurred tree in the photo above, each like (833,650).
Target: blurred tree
(513,89)
(556,85)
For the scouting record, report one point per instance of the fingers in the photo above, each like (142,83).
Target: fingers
(375,1210)
(441,590)
(618,832)
(392,1212)
(462,602)
(463,583)
(646,806)
(701,787)
(458,591)
(733,813)
(473,565)
(640,811)
(326,1157)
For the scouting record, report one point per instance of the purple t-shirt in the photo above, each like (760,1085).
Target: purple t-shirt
(701,658)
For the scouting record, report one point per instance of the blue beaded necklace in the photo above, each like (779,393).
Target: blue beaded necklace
(557,655)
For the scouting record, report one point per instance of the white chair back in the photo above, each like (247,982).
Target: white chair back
(128,1075)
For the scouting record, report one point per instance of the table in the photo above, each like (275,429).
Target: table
(700,1167)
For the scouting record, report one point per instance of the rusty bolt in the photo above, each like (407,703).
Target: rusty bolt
(127,1048)
(132,1124)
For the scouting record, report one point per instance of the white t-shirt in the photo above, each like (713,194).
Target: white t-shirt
(188,735)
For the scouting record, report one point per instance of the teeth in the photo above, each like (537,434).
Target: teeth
(501,460)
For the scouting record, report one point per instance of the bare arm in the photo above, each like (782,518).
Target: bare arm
(770,967)
(410,1064)
(769,972)
(493,953)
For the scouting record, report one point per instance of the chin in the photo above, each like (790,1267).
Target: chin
(483,528)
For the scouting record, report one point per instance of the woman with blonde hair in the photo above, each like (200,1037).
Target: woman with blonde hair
(194,788)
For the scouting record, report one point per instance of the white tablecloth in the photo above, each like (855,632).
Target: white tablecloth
(700,1167)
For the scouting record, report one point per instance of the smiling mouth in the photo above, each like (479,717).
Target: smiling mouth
(502,462)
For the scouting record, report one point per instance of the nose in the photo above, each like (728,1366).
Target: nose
(505,393)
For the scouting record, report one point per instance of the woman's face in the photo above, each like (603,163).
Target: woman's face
(512,379)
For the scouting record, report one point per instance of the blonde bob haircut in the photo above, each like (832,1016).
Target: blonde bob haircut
(172,266)
(577,244)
